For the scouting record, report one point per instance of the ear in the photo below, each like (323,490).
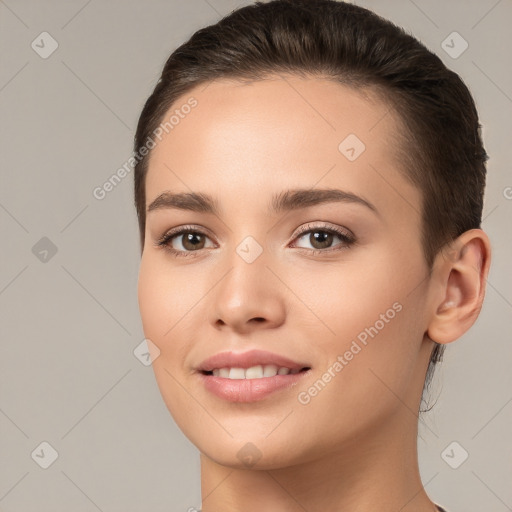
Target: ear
(461,271)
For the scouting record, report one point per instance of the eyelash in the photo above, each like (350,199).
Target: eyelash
(347,238)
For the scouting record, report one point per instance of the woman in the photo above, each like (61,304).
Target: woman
(309,187)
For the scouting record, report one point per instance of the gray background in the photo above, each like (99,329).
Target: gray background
(70,323)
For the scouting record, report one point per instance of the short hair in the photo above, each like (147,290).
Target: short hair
(440,143)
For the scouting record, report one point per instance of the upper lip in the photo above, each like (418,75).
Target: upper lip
(246,360)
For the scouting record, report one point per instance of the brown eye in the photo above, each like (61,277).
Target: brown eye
(184,241)
(192,241)
(320,239)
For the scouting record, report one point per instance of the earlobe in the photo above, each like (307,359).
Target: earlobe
(462,271)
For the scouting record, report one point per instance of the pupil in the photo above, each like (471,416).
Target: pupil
(193,240)
(322,237)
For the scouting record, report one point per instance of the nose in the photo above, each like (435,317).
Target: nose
(249,297)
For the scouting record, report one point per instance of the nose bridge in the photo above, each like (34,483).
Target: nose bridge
(248,275)
(248,247)
(248,291)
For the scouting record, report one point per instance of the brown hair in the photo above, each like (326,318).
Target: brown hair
(441,146)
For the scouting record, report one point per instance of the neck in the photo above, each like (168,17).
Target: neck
(377,471)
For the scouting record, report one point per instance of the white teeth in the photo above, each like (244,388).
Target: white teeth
(236,373)
(269,370)
(254,372)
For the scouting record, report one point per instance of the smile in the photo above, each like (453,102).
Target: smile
(254,372)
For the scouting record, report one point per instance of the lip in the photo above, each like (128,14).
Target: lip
(249,390)
(248,359)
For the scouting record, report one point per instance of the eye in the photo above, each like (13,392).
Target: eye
(183,241)
(186,240)
(321,238)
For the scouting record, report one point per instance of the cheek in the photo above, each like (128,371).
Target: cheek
(350,298)
(164,299)
(152,300)
(163,313)
(372,356)
(163,306)
(374,303)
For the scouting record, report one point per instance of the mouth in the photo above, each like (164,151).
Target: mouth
(241,387)
(250,376)
(254,372)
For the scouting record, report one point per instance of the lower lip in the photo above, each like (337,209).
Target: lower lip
(249,390)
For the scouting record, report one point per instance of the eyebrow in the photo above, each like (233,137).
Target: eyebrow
(284,201)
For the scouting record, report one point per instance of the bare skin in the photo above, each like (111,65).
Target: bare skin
(352,446)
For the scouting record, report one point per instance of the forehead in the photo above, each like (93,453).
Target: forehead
(245,140)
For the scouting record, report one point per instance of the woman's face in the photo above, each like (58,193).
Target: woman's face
(338,287)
